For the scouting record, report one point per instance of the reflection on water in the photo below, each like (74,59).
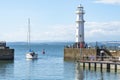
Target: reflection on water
(30,68)
(69,72)
(42,69)
(72,71)
(101,76)
(6,69)
(78,72)
(39,69)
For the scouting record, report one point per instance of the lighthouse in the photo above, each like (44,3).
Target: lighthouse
(80,27)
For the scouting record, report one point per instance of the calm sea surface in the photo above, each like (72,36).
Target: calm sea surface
(50,66)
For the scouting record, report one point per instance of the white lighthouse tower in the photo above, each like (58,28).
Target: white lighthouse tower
(80,27)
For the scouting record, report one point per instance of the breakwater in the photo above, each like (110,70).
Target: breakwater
(76,53)
(85,53)
(6,53)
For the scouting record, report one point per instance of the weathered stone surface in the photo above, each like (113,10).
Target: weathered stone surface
(76,53)
(6,54)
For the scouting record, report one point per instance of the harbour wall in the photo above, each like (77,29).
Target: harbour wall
(6,54)
(116,53)
(77,53)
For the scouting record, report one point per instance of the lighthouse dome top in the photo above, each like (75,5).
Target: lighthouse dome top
(80,6)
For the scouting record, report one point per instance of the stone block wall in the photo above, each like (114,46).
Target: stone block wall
(6,54)
(77,53)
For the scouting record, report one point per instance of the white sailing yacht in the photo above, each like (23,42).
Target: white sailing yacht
(31,54)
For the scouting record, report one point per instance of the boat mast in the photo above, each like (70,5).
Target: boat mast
(29,33)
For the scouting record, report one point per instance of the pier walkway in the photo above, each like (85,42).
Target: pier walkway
(108,65)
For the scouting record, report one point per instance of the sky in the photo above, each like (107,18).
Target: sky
(54,20)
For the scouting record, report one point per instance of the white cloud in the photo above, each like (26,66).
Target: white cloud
(94,31)
(18,34)
(50,33)
(103,31)
(108,1)
(56,33)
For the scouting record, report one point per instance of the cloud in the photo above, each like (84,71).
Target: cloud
(48,33)
(56,33)
(94,31)
(102,31)
(108,1)
(18,34)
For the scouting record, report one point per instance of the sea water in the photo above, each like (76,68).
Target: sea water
(49,66)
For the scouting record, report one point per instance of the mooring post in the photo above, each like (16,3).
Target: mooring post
(83,65)
(108,67)
(95,66)
(115,67)
(101,67)
(89,65)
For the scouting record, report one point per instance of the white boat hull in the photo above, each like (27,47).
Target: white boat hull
(31,55)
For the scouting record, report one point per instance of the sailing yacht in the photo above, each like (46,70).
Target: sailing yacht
(31,54)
